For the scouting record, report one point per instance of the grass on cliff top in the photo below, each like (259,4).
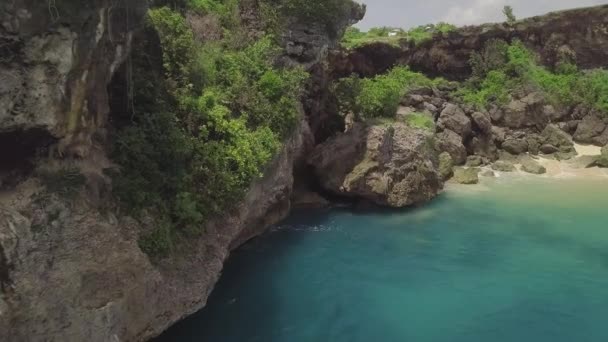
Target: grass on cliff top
(354,38)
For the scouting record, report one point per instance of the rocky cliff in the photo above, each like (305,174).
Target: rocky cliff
(580,34)
(70,265)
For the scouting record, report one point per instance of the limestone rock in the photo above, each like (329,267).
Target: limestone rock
(474,161)
(446,166)
(503,166)
(526,112)
(483,122)
(466,175)
(583,162)
(454,119)
(392,165)
(555,137)
(591,127)
(487,173)
(548,149)
(602,161)
(450,142)
(530,165)
(515,146)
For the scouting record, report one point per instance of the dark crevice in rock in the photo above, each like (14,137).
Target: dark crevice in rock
(18,151)
(5,271)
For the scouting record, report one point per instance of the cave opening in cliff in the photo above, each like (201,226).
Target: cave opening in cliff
(18,152)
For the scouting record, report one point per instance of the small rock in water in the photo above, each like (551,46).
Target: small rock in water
(529,165)
(466,176)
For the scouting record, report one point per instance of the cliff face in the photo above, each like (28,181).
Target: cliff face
(56,60)
(70,266)
(580,33)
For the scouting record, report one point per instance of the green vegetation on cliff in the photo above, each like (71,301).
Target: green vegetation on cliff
(355,38)
(502,69)
(205,127)
(378,96)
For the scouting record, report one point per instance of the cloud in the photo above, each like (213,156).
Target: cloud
(477,12)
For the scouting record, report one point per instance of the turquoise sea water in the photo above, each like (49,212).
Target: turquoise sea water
(517,260)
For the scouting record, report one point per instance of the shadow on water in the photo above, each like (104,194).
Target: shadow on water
(483,267)
(244,309)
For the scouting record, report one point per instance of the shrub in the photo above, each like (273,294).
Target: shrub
(378,96)
(501,69)
(203,131)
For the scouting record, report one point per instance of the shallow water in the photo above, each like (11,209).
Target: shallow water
(513,260)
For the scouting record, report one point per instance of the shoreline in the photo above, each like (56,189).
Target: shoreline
(556,170)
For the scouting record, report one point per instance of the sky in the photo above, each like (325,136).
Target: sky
(410,13)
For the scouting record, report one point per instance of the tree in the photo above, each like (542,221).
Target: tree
(508,12)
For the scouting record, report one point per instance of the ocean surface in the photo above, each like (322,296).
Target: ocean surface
(516,259)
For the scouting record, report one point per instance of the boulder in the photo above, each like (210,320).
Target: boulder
(602,161)
(569,126)
(389,165)
(526,112)
(548,149)
(534,143)
(530,165)
(487,173)
(466,175)
(583,162)
(503,166)
(446,166)
(498,134)
(506,156)
(454,119)
(553,136)
(515,146)
(483,122)
(450,142)
(483,146)
(565,155)
(474,161)
(590,127)
(601,139)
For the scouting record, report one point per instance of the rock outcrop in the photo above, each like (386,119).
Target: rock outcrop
(581,34)
(71,269)
(391,165)
(56,61)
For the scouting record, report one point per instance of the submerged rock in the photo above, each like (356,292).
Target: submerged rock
(466,175)
(393,165)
